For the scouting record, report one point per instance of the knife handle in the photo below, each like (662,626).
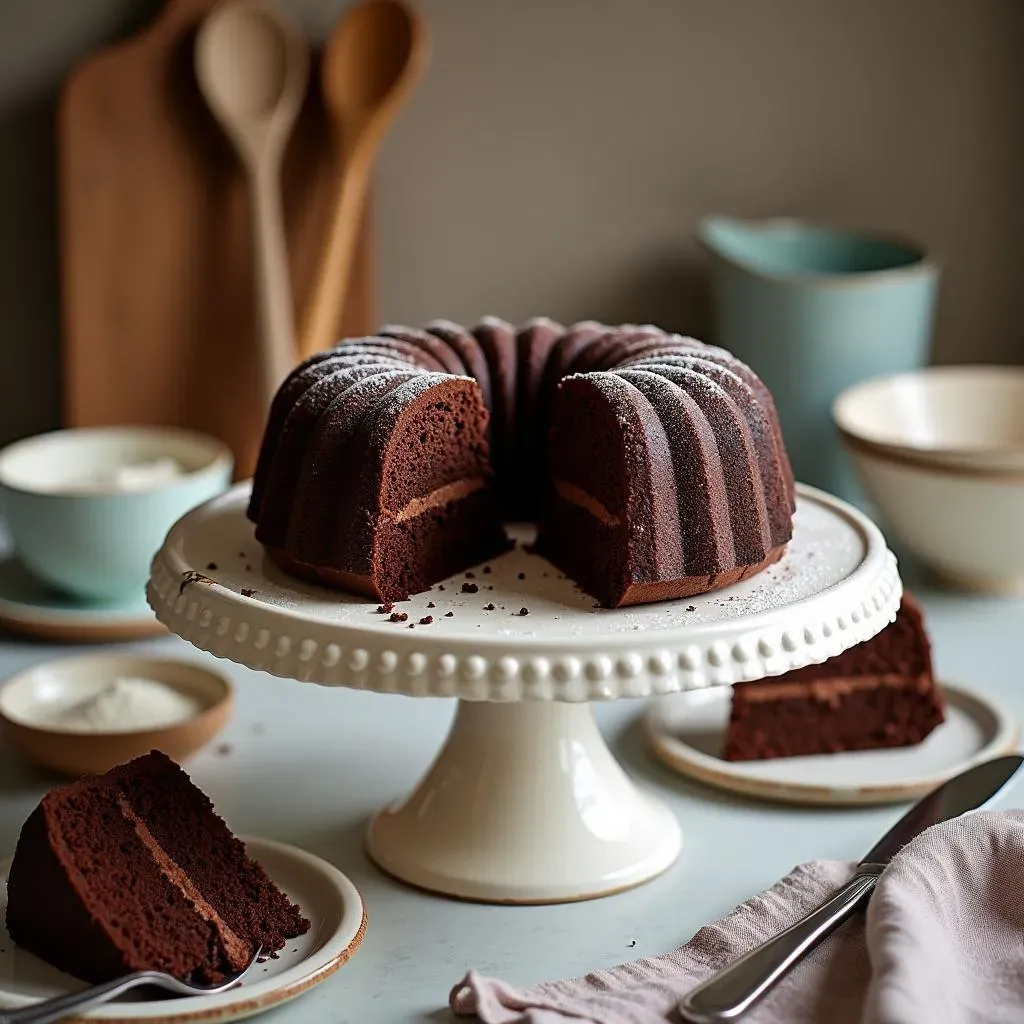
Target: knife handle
(727,995)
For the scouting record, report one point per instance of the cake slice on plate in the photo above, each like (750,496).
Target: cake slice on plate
(879,693)
(133,870)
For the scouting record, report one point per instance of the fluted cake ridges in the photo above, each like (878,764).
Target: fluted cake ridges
(653,464)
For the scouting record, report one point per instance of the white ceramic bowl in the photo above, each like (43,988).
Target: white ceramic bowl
(940,453)
(971,416)
(93,540)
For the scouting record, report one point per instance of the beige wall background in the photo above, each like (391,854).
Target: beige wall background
(561,152)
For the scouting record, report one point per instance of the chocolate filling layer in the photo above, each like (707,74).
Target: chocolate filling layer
(828,690)
(435,499)
(577,496)
(237,949)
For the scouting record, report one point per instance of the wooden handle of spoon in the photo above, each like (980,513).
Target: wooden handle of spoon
(330,287)
(273,283)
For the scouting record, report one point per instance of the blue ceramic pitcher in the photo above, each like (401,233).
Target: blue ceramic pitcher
(812,310)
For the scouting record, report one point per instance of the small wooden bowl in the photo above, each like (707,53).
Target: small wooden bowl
(29,699)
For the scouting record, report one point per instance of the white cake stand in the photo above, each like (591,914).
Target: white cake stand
(525,802)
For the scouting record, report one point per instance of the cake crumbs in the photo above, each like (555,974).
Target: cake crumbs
(440,586)
(522,576)
(470,575)
(212,566)
(399,616)
(489,607)
(487,568)
(524,611)
(383,609)
(248,568)
(426,620)
(412,625)
(490,588)
(430,604)
(247,592)
(449,615)
(631,943)
(691,607)
(223,749)
(192,577)
(469,588)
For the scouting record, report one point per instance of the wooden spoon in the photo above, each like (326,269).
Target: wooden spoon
(252,63)
(374,59)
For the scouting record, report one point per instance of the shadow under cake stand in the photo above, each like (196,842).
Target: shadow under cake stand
(525,803)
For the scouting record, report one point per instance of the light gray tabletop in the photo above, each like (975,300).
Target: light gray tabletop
(308,765)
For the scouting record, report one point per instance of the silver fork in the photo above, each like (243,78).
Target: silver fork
(51,1010)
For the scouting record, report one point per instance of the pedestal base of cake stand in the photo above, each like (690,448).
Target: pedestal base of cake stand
(525,804)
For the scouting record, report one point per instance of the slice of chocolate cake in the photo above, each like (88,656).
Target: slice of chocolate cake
(133,870)
(880,693)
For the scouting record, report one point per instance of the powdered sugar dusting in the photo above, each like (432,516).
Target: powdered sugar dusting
(449,326)
(495,323)
(544,322)
(827,549)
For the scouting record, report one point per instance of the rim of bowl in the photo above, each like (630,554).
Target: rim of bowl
(925,263)
(913,460)
(224,699)
(220,455)
(919,453)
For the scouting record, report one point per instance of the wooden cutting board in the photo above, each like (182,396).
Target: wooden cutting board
(158,306)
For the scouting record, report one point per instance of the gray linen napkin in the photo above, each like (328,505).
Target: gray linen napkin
(943,943)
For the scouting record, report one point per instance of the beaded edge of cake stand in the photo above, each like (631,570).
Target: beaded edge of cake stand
(211,621)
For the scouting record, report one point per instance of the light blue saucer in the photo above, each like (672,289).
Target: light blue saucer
(32,609)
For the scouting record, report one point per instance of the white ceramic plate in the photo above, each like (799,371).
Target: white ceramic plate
(30,608)
(686,732)
(327,898)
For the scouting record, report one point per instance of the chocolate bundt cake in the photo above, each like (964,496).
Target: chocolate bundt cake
(652,463)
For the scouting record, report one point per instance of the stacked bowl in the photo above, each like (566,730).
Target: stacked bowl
(940,453)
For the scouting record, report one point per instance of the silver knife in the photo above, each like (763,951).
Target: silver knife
(734,989)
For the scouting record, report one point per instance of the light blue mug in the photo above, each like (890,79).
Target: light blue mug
(812,310)
(78,530)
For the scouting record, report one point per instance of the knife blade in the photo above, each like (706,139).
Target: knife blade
(734,989)
(971,790)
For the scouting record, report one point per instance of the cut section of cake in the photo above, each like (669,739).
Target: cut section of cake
(395,490)
(879,693)
(133,870)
